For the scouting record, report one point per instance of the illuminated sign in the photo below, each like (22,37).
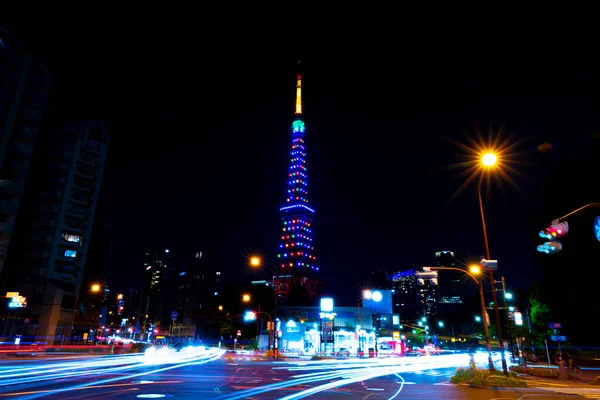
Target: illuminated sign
(326,304)
(18,302)
(377,296)
(10,295)
(326,315)
(597,227)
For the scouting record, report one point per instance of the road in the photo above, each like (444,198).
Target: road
(213,374)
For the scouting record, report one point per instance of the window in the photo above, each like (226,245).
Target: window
(69,237)
(70,253)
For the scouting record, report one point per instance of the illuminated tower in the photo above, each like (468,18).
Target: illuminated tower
(296,260)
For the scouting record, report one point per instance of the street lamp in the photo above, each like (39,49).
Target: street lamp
(255,261)
(258,262)
(246,298)
(94,288)
(489,160)
(471,273)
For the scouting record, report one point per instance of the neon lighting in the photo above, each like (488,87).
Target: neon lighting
(296,206)
(295,246)
(299,95)
(298,126)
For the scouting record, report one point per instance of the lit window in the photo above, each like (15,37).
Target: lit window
(70,253)
(71,238)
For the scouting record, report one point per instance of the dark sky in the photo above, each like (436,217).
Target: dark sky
(201,129)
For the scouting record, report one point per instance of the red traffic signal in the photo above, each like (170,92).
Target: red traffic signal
(556,230)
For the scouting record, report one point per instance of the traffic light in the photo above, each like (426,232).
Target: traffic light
(550,247)
(556,230)
(250,316)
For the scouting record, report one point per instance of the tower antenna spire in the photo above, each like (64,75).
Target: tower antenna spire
(299,91)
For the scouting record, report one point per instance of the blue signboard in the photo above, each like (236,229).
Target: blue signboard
(556,338)
(597,227)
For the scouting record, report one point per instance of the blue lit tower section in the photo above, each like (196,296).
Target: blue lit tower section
(296,250)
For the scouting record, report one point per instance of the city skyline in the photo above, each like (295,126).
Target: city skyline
(189,163)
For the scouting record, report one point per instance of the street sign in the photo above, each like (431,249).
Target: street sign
(18,302)
(489,264)
(556,338)
(554,325)
(174,315)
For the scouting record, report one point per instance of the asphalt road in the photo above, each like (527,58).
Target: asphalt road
(246,377)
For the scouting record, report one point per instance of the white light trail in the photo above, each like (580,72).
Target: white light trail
(33,375)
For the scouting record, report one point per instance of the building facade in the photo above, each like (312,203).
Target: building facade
(47,259)
(415,293)
(24,86)
(450,282)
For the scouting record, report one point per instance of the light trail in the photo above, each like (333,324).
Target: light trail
(338,373)
(31,376)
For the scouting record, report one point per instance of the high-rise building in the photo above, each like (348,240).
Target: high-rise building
(157,264)
(45,262)
(296,260)
(24,86)
(450,282)
(413,296)
(404,295)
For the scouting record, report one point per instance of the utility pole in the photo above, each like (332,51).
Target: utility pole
(276,285)
(508,327)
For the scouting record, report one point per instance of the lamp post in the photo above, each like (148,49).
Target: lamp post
(257,262)
(270,322)
(476,270)
(95,288)
(489,160)
(508,296)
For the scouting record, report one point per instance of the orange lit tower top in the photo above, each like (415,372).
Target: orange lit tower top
(299,93)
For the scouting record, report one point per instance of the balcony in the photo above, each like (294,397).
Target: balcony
(9,207)
(21,148)
(18,169)
(10,186)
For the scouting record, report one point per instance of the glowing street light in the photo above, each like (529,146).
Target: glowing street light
(367,294)
(475,269)
(95,288)
(246,298)
(489,159)
(508,295)
(255,261)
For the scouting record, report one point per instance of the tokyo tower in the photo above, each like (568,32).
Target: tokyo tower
(296,261)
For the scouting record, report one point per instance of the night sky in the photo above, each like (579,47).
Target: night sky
(201,130)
